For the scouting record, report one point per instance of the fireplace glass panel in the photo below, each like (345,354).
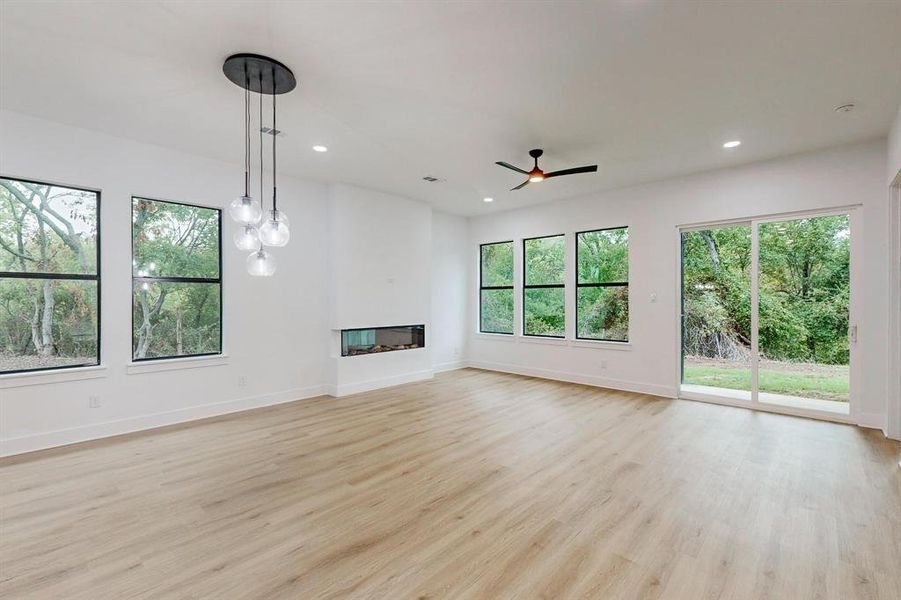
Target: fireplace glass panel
(374,340)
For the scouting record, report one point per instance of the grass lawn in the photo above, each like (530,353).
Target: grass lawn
(831,384)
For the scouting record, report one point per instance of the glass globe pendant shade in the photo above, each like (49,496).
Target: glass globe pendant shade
(261,263)
(275,229)
(247,238)
(245,210)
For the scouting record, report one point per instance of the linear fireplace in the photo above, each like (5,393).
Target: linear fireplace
(373,340)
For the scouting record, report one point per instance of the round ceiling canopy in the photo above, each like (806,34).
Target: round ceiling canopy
(259,74)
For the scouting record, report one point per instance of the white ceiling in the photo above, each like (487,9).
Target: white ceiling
(399,90)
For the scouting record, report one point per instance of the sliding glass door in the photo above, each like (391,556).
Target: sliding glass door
(766,312)
(716,311)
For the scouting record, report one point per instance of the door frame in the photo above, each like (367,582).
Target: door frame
(854,216)
(893,399)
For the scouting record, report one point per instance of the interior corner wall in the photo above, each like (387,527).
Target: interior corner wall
(894,150)
(893,176)
(838,177)
(450,259)
(380,253)
(274,329)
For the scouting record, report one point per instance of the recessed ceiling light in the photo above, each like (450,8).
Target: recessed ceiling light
(320,148)
(487,199)
(732,144)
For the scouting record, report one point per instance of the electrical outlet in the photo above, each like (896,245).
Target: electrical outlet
(242,381)
(456,351)
(603,364)
(94,401)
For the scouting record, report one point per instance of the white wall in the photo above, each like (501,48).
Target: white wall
(894,149)
(450,291)
(838,177)
(380,253)
(274,329)
(356,258)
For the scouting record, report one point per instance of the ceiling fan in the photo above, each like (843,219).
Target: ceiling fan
(536,174)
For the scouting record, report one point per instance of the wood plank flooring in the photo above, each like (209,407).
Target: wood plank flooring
(474,485)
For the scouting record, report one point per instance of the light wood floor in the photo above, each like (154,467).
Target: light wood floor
(474,485)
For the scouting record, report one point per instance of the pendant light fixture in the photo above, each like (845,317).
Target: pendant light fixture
(261,75)
(245,209)
(275,228)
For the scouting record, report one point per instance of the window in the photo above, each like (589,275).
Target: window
(602,285)
(496,288)
(49,276)
(177,285)
(543,290)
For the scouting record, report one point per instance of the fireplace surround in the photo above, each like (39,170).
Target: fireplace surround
(376,340)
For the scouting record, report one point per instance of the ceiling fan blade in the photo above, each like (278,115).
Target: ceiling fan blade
(521,185)
(509,166)
(573,171)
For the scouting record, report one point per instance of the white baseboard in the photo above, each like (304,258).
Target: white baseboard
(63,437)
(345,389)
(664,391)
(449,366)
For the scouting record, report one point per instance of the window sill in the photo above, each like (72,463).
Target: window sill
(550,341)
(14,380)
(506,337)
(605,344)
(175,364)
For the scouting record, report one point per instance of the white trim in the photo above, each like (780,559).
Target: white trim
(764,407)
(870,420)
(893,396)
(62,437)
(346,389)
(601,345)
(795,214)
(755,313)
(602,382)
(14,380)
(452,365)
(537,339)
(175,364)
(498,337)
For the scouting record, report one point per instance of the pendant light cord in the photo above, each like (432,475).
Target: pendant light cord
(274,135)
(246,134)
(261,139)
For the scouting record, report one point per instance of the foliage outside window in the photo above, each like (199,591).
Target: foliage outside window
(803,299)
(496,288)
(49,277)
(177,286)
(544,304)
(602,285)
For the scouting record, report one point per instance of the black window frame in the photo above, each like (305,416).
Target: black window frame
(526,286)
(624,284)
(169,279)
(483,287)
(63,276)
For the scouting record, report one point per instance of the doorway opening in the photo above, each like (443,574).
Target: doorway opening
(766,313)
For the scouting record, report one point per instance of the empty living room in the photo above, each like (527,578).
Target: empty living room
(470,299)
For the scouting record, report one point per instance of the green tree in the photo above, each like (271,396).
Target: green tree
(175,240)
(47,229)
